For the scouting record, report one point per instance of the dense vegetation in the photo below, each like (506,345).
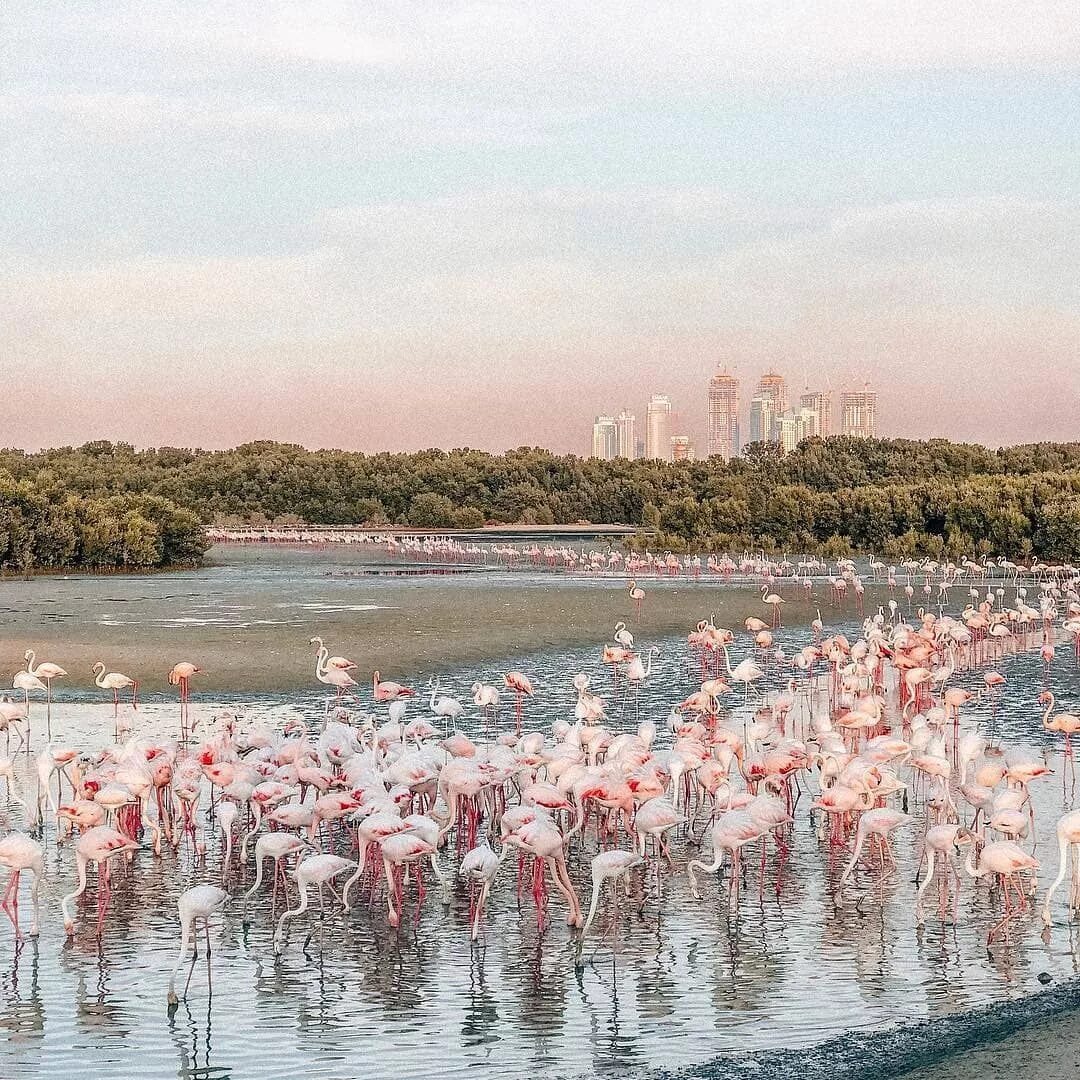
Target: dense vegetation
(44,525)
(108,505)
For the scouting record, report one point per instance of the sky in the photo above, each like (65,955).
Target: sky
(410,224)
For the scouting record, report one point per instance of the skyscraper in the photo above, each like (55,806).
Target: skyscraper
(624,426)
(858,413)
(767,404)
(723,416)
(658,428)
(819,402)
(793,426)
(605,438)
(763,416)
(772,386)
(682,449)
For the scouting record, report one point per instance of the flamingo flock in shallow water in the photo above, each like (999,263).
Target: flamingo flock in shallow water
(361,810)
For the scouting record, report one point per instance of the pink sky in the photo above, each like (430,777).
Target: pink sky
(471,224)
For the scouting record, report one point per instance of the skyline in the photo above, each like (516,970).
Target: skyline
(391,227)
(777,412)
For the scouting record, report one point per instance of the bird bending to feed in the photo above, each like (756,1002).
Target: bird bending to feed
(195,904)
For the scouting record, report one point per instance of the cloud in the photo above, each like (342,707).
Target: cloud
(398,209)
(768,40)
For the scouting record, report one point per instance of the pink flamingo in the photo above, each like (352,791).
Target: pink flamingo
(198,902)
(1007,861)
(389,691)
(1066,723)
(333,674)
(613,866)
(47,672)
(774,600)
(99,845)
(637,594)
(115,682)
(522,687)
(18,852)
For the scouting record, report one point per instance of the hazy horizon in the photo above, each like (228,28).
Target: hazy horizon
(395,226)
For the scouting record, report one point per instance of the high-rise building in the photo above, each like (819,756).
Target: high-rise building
(624,426)
(658,428)
(682,449)
(605,438)
(793,426)
(723,416)
(858,413)
(767,404)
(763,414)
(819,402)
(772,386)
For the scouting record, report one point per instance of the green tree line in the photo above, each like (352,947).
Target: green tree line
(44,527)
(107,504)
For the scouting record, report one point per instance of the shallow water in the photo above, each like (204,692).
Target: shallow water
(685,982)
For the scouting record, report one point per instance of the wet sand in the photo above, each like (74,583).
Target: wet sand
(1047,1050)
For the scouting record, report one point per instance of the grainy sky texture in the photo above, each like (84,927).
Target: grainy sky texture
(397,225)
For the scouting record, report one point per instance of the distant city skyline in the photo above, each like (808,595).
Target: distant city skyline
(460,224)
(772,418)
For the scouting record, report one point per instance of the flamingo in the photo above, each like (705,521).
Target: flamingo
(317,870)
(746,671)
(522,687)
(481,864)
(485,696)
(449,708)
(115,682)
(613,866)
(337,662)
(181,675)
(276,846)
(939,844)
(11,715)
(876,824)
(198,902)
(1006,860)
(622,636)
(46,672)
(331,674)
(774,600)
(388,691)
(1067,723)
(99,844)
(1068,833)
(637,594)
(731,831)
(28,683)
(19,853)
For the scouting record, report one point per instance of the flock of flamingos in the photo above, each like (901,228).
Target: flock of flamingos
(871,733)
